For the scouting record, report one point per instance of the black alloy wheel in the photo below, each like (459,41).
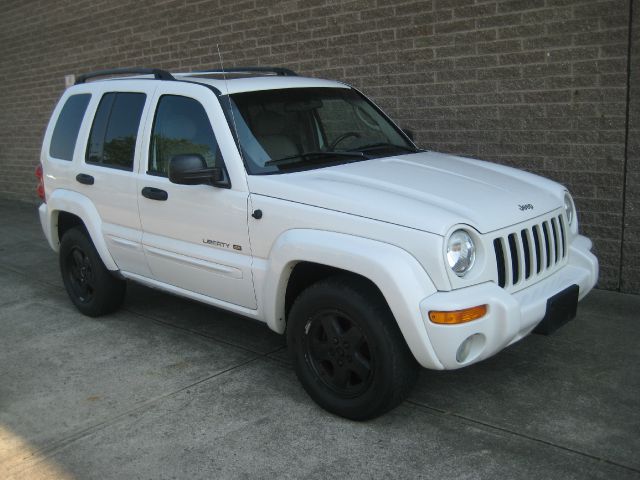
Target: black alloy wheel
(347,349)
(80,275)
(92,288)
(338,351)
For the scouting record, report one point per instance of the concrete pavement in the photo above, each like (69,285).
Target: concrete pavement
(168,388)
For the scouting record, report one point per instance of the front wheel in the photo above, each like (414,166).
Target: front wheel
(347,349)
(90,286)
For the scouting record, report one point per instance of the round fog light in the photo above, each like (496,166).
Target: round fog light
(470,348)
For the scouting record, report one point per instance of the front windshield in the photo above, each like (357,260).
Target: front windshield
(302,128)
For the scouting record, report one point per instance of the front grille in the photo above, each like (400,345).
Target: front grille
(530,252)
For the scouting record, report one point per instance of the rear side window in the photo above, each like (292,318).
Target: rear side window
(112,142)
(65,133)
(181,126)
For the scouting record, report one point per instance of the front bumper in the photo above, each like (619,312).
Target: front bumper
(510,316)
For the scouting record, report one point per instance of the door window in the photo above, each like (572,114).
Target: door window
(181,126)
(114,131)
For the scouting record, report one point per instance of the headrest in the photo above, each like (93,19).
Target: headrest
(183,126)
(269,123)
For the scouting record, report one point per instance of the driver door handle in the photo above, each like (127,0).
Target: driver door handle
(154,194)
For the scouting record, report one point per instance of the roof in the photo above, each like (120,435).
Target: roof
(249,79)
(254,83)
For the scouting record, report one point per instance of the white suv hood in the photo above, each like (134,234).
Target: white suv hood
(428,191)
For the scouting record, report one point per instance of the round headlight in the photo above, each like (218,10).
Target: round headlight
(461,252)
(569,209)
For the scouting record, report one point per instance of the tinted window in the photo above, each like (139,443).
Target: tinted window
(65,133)
(311,128)
(112,142)
(181,126)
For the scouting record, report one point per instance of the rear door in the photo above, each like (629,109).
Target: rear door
(110,159)
(195,237)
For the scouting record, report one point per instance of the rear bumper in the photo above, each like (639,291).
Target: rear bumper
(510,316)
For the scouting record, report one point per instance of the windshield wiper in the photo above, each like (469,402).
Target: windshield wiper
(373,146)
(320,155)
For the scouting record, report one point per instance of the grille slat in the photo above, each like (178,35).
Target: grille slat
(547,243)
(502,275)
(515,258)
(556,239)
(508,267)
(527,253)
(536,239)
(543,249)
(562,235)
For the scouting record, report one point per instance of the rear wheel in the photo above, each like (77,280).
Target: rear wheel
(347,349)
(90,286)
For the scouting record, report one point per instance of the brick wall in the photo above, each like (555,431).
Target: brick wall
(538,84)
(630,281)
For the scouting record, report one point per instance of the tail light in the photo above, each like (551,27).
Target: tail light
(40,187)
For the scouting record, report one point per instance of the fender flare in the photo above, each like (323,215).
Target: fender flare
(398,275)
(73,202)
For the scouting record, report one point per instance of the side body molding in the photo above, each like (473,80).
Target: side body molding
(77,204)
(398,275)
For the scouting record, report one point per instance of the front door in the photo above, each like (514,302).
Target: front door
(195,237)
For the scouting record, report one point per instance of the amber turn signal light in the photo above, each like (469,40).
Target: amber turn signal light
(458,316)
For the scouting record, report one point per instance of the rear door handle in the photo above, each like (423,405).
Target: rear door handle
(85,179)
(154,193)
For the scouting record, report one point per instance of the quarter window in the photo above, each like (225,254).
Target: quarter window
(112,142)
(65,133)
(181,126)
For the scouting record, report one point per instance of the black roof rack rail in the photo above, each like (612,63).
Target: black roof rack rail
(156,72)
(280,71)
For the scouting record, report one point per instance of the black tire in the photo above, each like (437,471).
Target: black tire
(90,286)
(347,349)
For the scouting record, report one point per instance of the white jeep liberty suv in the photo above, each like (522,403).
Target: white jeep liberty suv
(297,202)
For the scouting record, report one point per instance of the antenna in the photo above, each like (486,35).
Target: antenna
(233,117)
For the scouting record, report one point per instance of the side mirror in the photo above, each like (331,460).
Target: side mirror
(191,169)
(409,133)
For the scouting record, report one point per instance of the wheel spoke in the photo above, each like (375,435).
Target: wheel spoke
(88,284)
(331,326)
(88,275)
(353,337)
(78,258)
(340,376)
(75,272)
(360,366)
